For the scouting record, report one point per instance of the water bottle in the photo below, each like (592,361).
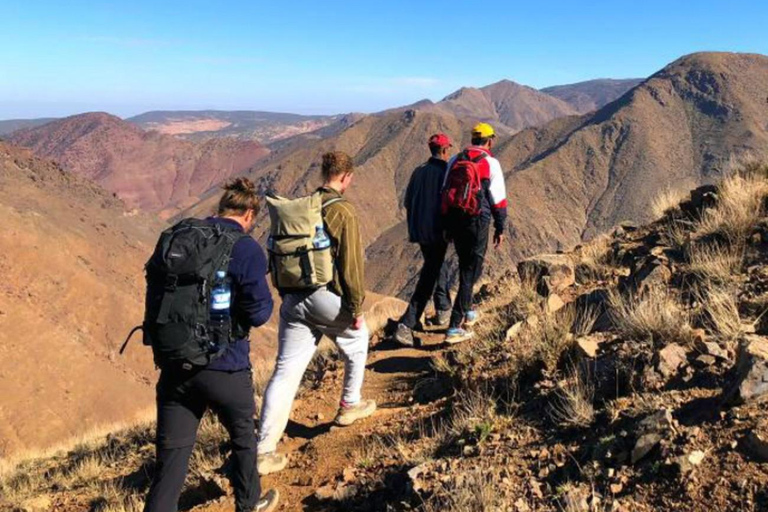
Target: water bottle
(321,240)
(221,300)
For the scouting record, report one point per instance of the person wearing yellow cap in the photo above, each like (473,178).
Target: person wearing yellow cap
(474,194)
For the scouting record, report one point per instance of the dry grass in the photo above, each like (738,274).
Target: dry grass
(669,199)
(545,340)
(721,310)
(676,233)
(477,491)
(655,315)
(739,207)
(596,259)
(716,263)
(573,403)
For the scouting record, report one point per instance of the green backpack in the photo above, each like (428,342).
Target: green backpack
(299,249)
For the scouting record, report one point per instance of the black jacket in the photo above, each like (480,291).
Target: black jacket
(422,202)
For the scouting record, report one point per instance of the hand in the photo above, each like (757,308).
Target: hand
(358,323)
(498,238)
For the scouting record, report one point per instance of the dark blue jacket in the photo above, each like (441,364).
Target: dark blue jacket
(251,300)
(422,202)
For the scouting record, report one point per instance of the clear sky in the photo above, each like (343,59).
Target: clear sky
(60,57)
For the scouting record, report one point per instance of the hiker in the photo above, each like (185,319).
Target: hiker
(473,194)
(422,205)
(192,379)
(316,303)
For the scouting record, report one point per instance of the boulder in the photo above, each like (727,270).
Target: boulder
(651,431)
(552,273)
(757,446)
(670,359)
(555,303)
(589,345)
(751,371)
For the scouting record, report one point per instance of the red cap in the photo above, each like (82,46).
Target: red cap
(440,140)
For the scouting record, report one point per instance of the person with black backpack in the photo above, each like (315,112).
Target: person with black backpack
(473,194)
(425,227)
(206,287)
(317,263)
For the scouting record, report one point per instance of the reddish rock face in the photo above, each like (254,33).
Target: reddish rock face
(147,170)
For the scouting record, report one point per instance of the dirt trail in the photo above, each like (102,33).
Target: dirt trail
(320,452)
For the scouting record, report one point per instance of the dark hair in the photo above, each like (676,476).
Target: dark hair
(239,197)
(435,150)
(336,163)
(480,141)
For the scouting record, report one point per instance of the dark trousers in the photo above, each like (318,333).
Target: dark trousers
(470,237)
(182,399)
(433,282)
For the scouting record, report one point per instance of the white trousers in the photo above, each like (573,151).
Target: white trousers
(304,319)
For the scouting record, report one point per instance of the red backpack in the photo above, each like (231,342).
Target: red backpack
(462,187)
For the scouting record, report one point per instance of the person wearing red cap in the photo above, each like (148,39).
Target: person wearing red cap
(422,204)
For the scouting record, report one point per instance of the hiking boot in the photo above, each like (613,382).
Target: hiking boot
(348,414)
(404,335)
(271,462)
(440,319)
(471,317)
(457,335)
(268,501)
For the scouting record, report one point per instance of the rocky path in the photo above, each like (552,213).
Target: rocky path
(320,452)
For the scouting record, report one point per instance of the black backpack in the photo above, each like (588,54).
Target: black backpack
(180,274)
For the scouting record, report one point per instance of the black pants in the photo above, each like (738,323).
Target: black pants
(182,399)
(470,237)
(433,282)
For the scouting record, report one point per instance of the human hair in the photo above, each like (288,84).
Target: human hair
(239,197)
(480,141)
(336,163)
(436,150)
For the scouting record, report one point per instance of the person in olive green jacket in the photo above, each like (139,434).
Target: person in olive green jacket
(335,310)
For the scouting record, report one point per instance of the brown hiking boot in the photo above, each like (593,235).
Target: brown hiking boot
(268,501)
(271,462)
(348,414)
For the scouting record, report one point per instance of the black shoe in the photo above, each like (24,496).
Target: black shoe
(268,501)
(404,335)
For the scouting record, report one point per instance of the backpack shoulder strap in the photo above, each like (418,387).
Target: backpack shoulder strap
(332,201)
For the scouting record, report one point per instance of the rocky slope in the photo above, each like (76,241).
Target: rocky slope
(11,125)
(148,170)
(592,94)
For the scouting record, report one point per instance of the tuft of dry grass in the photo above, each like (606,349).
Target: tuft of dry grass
(477,491)
(596,259)
(716,263)
(669,199)
(573,403)
(655,315)
(721,310)
(739,207)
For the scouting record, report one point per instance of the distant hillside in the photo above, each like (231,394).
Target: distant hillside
(513,105)
(593,94)
(148,170)
(72,287)
(11,125)
(264,127)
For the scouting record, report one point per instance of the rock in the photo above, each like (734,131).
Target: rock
(706,347)
(651,430)
(552,273)
(514,331)
(555,303)
(589,345)
(653,274)
(670,359)
(337,492)
(757,446)
(686,463)
(705,361)
(751,370)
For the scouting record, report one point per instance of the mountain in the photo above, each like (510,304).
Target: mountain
(567,180)
(513,105)
(72,287)
(591,95)
(677,129)
(264,127)
(148,170)
(11,125)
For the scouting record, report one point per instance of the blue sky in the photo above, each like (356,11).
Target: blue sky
(126,57)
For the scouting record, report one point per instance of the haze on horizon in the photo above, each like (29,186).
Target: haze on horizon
(324,58)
